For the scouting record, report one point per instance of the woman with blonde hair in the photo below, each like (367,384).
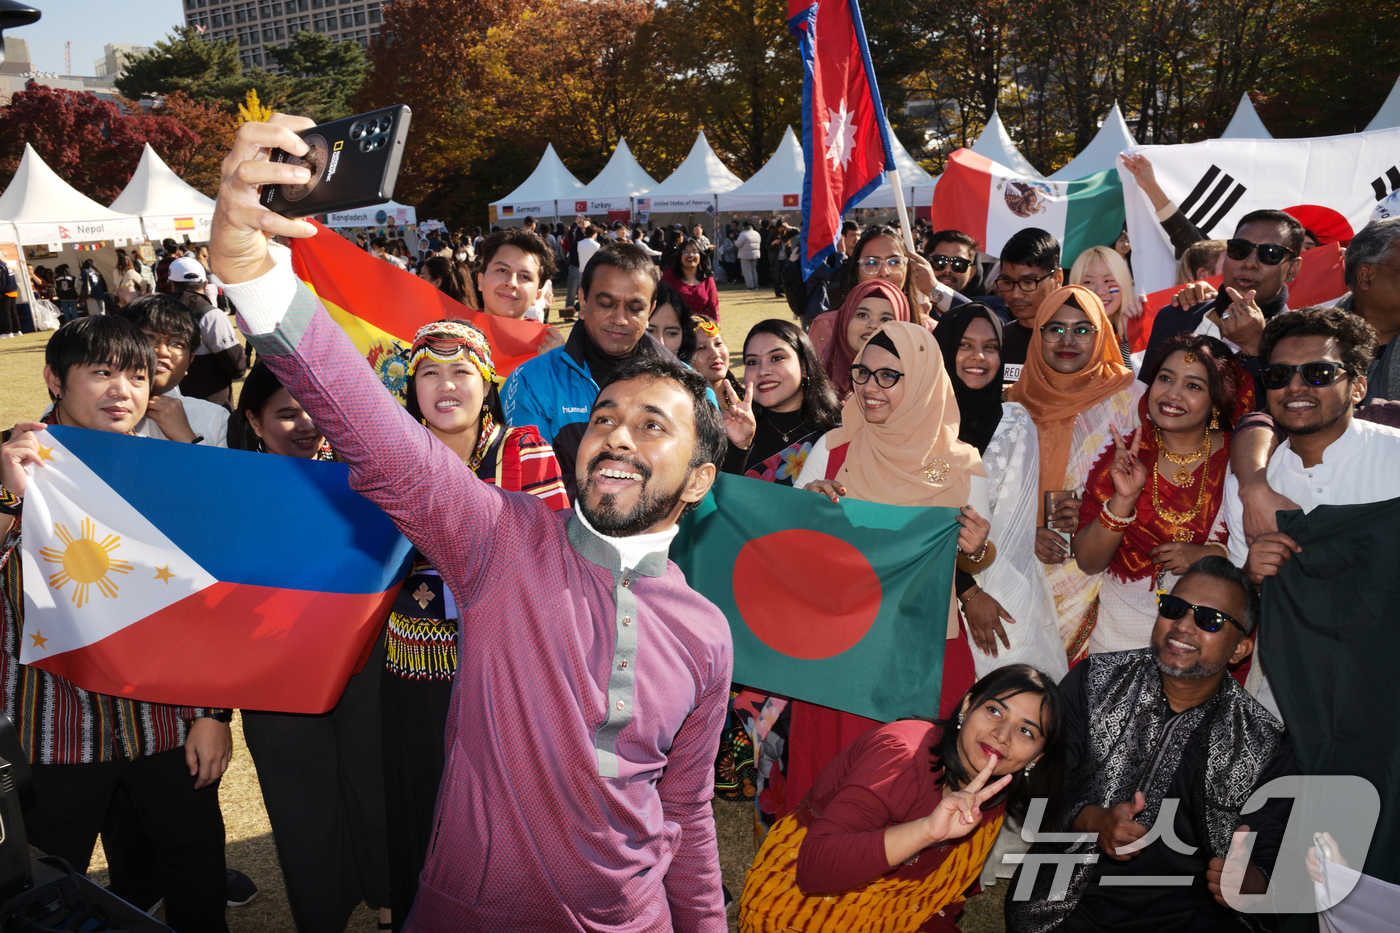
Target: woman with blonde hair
(1103,271)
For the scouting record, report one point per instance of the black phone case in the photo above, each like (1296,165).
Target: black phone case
(354,163)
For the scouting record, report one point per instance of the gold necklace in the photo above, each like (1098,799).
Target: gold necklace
(1179,519)
(1183,475)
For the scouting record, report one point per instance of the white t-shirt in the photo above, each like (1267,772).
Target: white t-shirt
(206,419)
(586,248)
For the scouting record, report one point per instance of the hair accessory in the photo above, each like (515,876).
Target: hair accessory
(447,341)
(703,325)
(1190,357)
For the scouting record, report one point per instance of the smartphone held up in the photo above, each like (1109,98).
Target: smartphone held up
(353,162)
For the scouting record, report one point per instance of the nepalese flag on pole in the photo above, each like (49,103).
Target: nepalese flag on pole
(133,590)
(990,202)
(381,307)
(842,605)
(845,136)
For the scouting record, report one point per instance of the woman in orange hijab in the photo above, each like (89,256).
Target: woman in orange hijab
(1076,388)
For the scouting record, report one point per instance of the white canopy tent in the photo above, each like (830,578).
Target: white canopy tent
(1389,114)
(39,207)
(995,143)
(694,185)
(918,184)
(167,206)
(775,186)
(401,215)
(1101,154)
(621,180)
(1245,124)
(540,194)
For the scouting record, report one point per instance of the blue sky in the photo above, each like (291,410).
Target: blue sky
(91,24)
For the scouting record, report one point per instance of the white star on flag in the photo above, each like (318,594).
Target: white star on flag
(840,137)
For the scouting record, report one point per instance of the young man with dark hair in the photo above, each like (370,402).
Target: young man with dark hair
(959,264)
(515,264)
(555,391)
(219,357)
(83,746)
(170,414)
(173,251)
(1149,728)
(1030,271)
(588,807)
(1314,374)
(1260,260)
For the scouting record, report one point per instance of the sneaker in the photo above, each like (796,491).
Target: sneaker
(241,889)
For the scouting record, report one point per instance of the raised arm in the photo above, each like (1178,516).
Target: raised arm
(429,493)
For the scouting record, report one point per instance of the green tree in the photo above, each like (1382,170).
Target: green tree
(203,69)
(326,75)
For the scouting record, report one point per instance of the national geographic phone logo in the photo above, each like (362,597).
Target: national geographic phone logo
(335,159)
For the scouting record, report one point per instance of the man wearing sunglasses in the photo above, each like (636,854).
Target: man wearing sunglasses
(1315,360)
(1260,260)
(959,264)
(1161,733)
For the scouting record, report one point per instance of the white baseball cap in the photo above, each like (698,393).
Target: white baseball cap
(187,269)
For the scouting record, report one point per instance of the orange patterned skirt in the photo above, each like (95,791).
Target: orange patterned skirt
(772,901)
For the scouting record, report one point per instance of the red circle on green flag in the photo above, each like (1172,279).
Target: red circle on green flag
(806,594)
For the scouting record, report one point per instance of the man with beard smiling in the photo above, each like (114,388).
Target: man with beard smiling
(592,682)
(1315,361)
(1164,733)
(1260,260)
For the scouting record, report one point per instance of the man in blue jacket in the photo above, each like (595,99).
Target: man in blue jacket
(555,391)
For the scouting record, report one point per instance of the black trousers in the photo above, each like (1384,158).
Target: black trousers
(9,315)
(322,780)
(184,825)
(415,721)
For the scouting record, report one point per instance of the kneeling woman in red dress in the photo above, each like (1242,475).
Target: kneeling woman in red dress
(899,825)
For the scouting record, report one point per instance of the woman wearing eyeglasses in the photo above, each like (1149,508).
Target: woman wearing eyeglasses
(897,444)
(690,274)
(838,335)
(1152,500)
(880,254)
(1077,390)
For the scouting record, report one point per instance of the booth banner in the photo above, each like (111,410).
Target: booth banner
(681,203)
(79,231)
(380,215)
(535,209)
(196,227)
(1340,179)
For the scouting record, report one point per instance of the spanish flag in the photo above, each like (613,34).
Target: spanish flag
(380,307)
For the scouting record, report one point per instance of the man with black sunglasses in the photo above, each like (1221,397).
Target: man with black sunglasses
(1164,733)
(1260,260)
(1315,361)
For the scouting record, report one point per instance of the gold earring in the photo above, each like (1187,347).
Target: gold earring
(1214,419)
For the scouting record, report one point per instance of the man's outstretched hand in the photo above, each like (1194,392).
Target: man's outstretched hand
(242,226)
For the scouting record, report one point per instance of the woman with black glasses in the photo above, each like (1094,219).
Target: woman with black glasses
(1152,502)
(880,254)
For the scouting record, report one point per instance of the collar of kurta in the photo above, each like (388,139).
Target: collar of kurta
(596,550)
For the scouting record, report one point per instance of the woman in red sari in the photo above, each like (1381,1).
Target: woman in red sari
(1152,500)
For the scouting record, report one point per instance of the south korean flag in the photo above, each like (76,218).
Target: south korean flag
(1338,181)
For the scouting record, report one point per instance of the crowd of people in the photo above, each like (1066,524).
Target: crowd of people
(535,740)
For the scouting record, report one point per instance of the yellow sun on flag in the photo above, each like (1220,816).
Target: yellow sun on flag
(85,561)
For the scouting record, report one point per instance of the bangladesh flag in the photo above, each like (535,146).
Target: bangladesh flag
(842,605)
(990,202)
(1329,642)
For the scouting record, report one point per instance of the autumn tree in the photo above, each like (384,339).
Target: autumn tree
(215,128)
(92,144)
(732,68)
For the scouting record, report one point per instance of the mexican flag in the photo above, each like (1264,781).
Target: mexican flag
(381,307)
(842,605)
(990,202)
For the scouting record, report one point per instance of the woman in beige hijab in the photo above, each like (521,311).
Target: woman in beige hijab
(897,445)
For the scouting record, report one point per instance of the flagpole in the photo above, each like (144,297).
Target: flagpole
(900,208)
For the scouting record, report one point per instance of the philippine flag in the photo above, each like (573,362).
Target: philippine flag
(139,583)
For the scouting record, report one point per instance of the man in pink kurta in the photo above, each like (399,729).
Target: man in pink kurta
(592,681)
